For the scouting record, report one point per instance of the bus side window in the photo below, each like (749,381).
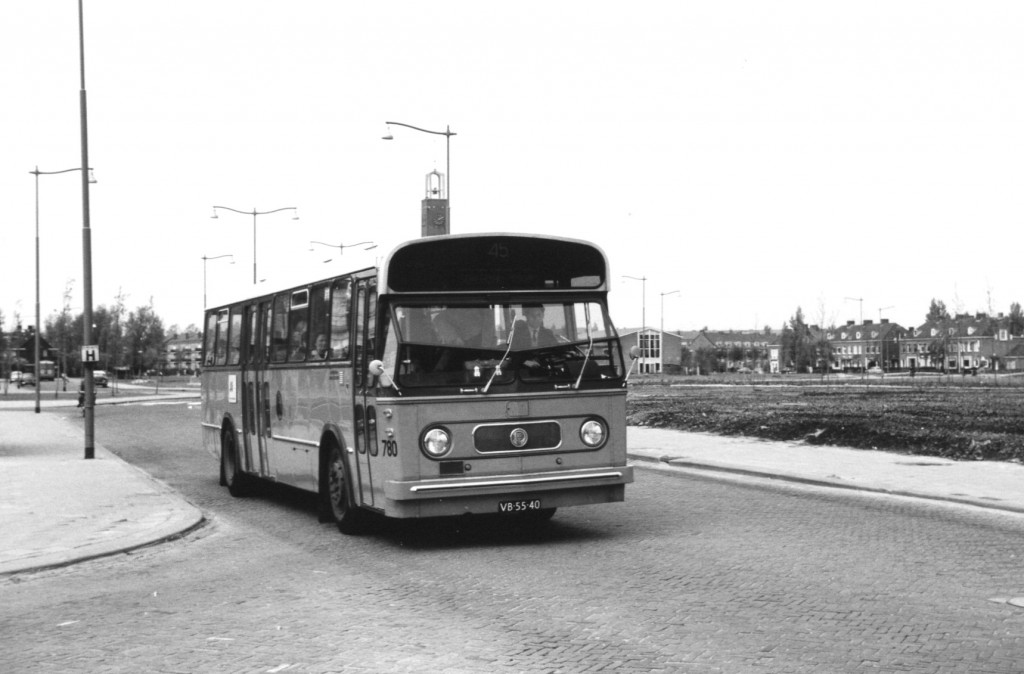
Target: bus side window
(371,321)
(235,338)
(320,323)
(221,348)
(211,336)
(279,330)
(252,343)
(341,300)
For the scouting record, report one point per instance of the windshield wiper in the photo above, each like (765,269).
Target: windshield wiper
(590,348)
(497,368)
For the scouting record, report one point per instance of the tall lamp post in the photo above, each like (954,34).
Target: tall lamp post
(254,213)
(205,260)
(661,332)
(90,399)
(367,245)
(447,133)
(37,173)
(643,308)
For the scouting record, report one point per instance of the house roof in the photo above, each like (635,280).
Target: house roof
(858,332)
(962,325)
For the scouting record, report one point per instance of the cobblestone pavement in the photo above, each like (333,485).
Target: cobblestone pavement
(689,575)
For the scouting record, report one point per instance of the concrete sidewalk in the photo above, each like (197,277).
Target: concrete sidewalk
(990,484)
(57,508)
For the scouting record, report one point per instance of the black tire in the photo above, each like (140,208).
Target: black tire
(231,475)
(335,494)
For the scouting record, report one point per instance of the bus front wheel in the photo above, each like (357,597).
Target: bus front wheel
(231,474)
(336,502)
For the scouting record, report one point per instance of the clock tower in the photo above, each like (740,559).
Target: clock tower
(434,210)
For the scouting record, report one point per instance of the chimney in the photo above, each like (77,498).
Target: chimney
(850,322)
(867,322)
(885,321)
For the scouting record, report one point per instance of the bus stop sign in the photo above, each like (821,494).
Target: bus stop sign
(91,353)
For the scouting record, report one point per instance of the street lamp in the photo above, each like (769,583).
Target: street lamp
(205,259)
(90,178)
(447,133)
(367,245)
(87,380)
(254,213)
(861,301)
(661,332)
(643,308)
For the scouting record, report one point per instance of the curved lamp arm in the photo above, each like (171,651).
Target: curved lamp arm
(446,132)
(37,173)
(254,212)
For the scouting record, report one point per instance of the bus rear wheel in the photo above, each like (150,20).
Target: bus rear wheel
(335,495)
(231,474)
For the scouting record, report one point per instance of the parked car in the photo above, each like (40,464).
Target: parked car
(27,379)
(874,370)
(99,378)
(15,376)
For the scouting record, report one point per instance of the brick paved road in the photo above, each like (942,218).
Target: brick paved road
(689,575)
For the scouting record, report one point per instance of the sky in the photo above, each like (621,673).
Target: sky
(855,160)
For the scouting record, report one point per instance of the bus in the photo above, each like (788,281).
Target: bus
(470,374)
(47,370)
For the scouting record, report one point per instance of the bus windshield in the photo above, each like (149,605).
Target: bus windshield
(501,344)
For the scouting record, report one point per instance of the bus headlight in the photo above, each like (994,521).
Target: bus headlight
(436,442)
(593,433)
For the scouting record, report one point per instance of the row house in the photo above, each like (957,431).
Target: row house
(962,343)
(859,346)
(736,347)
(660,350)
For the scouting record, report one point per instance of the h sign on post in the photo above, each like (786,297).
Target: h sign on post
(90,354)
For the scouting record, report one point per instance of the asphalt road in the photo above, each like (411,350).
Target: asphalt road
(689,575)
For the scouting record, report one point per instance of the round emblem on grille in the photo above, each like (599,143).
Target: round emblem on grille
(519,437)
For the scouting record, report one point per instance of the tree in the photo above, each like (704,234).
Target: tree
(823,350)
(937,353)
(685,357)
(144,338)
(798,351)
(59,331)
(1016,320)
(705,359)
(113,333)
(937,311)
(3,346)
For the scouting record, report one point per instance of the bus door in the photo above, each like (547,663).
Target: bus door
(365,403)
(255,389)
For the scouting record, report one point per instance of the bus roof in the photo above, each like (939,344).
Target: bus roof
(494,262)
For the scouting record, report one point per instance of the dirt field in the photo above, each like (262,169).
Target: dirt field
(956,422)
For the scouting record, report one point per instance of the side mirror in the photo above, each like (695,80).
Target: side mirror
(634,352)
(376,368)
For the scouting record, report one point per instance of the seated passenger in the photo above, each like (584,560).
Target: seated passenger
(457,327)
(320,349)
(298,341)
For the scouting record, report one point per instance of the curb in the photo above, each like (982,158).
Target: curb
(814,482)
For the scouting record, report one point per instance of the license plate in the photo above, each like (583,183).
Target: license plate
(519,506)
